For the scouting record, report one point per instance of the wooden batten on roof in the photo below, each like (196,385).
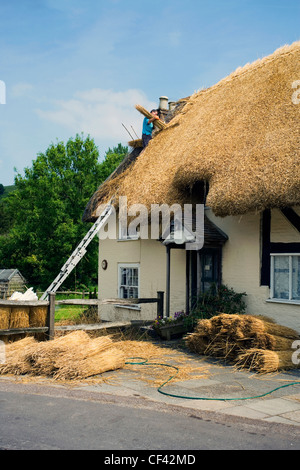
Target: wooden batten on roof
(242,136)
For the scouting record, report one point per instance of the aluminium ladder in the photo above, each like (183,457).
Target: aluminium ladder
(79,252)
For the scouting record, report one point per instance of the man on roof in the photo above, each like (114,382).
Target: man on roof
(148,127)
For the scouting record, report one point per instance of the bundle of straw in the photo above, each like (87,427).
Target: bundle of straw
(44,356)
(75,355)
(138,143)
(231,336)
(19,317)
(4,318)
(92,357)
(15,354)
(37,316)
(157,123)
(265,361)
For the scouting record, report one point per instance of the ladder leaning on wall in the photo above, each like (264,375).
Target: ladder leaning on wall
(79,252)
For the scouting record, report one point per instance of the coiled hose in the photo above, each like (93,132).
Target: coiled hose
(144,362)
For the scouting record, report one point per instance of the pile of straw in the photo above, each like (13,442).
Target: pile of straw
(255,342)
(74,356)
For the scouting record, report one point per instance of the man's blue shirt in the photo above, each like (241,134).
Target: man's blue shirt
(147,128)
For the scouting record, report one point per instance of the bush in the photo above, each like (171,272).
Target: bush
(217,300)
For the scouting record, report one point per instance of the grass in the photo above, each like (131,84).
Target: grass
(68,312)
(73,313)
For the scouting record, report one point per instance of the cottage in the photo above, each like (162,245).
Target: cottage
(11,280)
(234,147)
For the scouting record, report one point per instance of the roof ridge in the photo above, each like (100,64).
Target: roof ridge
(249,67)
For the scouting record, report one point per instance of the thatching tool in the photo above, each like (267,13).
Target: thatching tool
(127,130)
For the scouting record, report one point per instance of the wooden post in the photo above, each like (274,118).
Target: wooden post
(160,304)
(50,316)
(199,273)
(187,282)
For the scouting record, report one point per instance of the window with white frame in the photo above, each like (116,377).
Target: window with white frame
(124,234)
(285,277)
(129,281)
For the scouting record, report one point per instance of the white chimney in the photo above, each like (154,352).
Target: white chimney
(163,103)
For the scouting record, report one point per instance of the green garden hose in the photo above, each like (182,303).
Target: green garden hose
(145,362)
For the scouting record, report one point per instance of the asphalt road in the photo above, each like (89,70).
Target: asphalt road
(57,418)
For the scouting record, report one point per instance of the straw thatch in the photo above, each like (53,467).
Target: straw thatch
(231,337)
(242,136)
(74,356)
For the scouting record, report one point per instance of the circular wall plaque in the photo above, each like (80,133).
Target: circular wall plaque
(104,264)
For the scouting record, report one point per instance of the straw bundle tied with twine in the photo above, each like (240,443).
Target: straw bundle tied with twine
(74,356)
(157,123)
(37,316)
(247,340)
(78,357)
(4,318)
(137,143)
(265,361)
(19,317)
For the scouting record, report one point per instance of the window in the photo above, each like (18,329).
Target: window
(285,277)
(123,232)
(129,281)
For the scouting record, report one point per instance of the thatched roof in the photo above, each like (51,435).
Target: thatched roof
(242,136)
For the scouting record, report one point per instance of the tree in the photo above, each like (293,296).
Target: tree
(1,189)
(47,206)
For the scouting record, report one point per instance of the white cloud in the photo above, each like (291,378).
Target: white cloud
(100,113)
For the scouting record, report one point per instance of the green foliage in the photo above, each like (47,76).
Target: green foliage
(1,189)
(217,300)
(113,157)
(44,212)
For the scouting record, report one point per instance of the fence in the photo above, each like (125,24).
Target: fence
(48,329)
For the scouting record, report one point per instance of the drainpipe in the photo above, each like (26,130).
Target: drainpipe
(168,275)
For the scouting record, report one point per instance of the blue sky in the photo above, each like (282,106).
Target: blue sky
(72,66)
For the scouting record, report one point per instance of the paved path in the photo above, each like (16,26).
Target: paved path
(223,390)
